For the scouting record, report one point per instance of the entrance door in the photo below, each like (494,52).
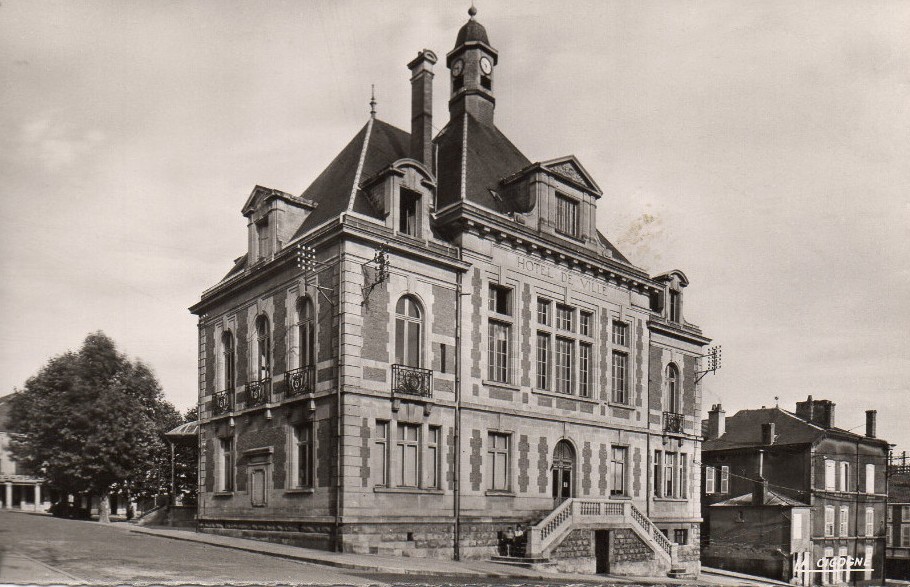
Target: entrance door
(602,551)
(563,471)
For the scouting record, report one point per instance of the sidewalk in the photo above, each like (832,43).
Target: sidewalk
(19,568)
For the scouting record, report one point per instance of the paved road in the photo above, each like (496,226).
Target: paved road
(97,554)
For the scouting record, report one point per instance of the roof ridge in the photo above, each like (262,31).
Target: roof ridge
(363,155)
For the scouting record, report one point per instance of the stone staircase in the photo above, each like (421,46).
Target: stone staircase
(594,514)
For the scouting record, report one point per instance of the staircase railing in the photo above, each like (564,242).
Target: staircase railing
(575,512)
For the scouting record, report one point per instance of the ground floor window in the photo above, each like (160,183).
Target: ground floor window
(304,453)
(226,460)
(619,458)
(681,536)
(498,461)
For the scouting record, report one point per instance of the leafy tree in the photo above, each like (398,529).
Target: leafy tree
(91,422)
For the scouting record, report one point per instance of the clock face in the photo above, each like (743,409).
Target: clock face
(485,65)
(458,68)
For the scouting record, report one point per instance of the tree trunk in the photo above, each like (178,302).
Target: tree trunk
(104,508)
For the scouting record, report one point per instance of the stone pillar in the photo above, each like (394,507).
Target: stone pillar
(37,497)
(9,495)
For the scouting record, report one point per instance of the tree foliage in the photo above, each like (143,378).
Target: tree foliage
(91,422)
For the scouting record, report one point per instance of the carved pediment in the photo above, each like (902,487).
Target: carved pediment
(569,168)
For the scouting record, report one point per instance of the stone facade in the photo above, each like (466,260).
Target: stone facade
(462,341)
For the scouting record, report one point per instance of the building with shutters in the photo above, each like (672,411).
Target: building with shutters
(784,490)
(432,351)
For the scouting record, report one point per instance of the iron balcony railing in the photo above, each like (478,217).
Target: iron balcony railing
(412,381)
(673,422)
(259,392)
(223,402)
(302,380)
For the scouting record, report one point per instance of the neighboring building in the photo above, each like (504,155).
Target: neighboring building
(463,358)
(21,490)
(805,460)
(897,531)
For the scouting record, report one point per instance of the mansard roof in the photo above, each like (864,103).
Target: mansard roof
(376,146)
(772,498)
(473,158)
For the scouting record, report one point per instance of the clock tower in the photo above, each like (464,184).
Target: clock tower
(471,65)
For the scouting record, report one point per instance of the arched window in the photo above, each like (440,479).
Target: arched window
(408,332)
(306,332)
(263,348)
(673,389)
(227,360)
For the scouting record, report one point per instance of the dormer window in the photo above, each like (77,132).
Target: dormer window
(262,235)
(566,216)
(407,212)
(675,306)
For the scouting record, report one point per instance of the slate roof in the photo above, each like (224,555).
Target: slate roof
(488,157)
(380,144)
(472,31)
(743,430)
(773,498)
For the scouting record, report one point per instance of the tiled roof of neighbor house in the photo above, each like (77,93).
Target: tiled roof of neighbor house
(772,498)
(379,144)
(743,429)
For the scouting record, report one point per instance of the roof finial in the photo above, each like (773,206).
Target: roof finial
(372,100)
(472,12)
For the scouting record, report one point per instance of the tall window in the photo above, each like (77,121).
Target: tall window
(870,522)
(381,454)
(905,535)
(670,473)
(432,465)
(226,474)
(566,215)
(227,360)
(673,403)
(263,348)
(619,458)
(844,521)
(829,520)
(408,333)
(828,575)
(498,461)
(408,455)
(870,478)
(558,347)
(842,477)
(796,526)
(585,371)
(304,462)
(543,360)
(709,479)
(407,217)
(306,332)
(675,306)
(620,377)
(262,236)
(725,479)
(869,551)
(829,475)
(500,333)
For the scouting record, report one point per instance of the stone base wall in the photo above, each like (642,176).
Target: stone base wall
(400,539)
(319,535)
(575,554)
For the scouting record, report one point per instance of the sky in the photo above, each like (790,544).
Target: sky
(760,147)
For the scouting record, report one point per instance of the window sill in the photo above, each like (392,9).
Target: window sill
(672,499)
(416,490)
(500,385)
(620,406)
(223,494)
(629,497)
(299,491)
(499,493)
(558,394)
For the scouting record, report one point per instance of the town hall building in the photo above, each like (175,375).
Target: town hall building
(432,351)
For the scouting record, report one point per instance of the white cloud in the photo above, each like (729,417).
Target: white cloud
(56,146)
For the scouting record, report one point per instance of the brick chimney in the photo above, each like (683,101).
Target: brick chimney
(717,422)
(760,492)
(870,423)
(818,411)
(422,107)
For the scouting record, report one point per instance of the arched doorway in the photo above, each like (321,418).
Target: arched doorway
(563,471)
